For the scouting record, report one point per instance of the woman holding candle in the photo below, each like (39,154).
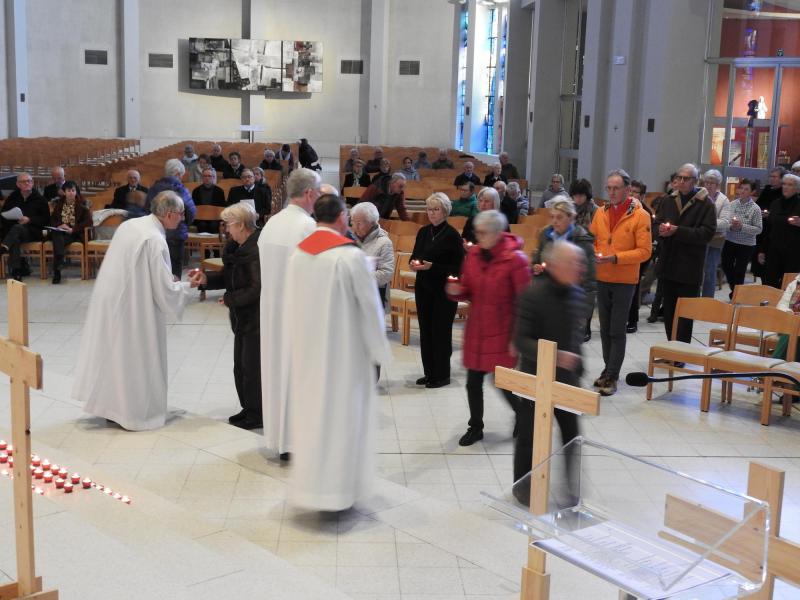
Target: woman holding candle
(494,274)
(438,252)
(488,199)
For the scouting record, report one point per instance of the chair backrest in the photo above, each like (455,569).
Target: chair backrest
(402,263)
(419,216)
(404,227)
(525,229)
(766,318)
(754,294)
(457,222)
(405,243)
(707,310)
(208,212)
(353,192)
(787,279)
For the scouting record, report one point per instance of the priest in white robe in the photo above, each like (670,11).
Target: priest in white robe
(277,241)
(121,371)
(334,313)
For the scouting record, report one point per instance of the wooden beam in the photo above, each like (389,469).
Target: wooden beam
(20,363)
(10,591)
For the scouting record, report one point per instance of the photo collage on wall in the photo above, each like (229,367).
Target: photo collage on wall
(255,65)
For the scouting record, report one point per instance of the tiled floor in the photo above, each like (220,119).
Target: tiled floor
(424,534)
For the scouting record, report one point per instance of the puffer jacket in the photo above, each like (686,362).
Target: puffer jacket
(631,242)
(491,281)
(241,279)
(584,240)
(378,245)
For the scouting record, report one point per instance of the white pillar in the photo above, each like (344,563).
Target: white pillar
(518,64)
(17,68)
(131,68)
(378,70)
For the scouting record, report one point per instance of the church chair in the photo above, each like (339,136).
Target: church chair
(457,223)
(212,265)
(398,310)
(196,241)
(406,278)
(400,228)
(787,279)
(76,250)
(28,250)
(353,193)
(540,219)
(751,294)
(788,389)
(417,190)
(525,229)
(405,243)
(96,249)
(530,244)
(665,355)
(420,217)
(734,360)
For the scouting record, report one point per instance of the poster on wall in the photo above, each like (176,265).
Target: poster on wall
(302,66)
(255,65)
(209,63)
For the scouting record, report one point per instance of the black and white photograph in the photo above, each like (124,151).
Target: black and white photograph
(209,63)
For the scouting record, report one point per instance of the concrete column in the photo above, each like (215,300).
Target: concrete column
(518,63)
(130,103)
(247,97)
(17,68)
(378,70)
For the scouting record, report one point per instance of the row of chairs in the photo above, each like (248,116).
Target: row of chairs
(395,155)
(744,342)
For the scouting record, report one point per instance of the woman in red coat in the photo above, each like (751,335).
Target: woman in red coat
(494,273)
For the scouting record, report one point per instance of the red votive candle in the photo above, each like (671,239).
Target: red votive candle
(87,483)
(3,457)
(62,472)
(126,500)
(36,461)
(75,478)
(38,473)
(10,450)
(46,464)
(48,477)
(67,487)
(60,483)
(117,496)
(39,490)
(3,445)
(452,278)
(54,468)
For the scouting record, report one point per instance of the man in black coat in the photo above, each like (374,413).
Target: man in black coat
(217,159)
(121,193)
(35,216)
(467,175)
(52,190)
(208,193)
(552,308)
(686,221)
(780,246)
(260,195)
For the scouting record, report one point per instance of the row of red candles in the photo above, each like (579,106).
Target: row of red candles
(52,473)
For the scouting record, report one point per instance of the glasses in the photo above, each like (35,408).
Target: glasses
(466,189)
(26,180)
(683,177)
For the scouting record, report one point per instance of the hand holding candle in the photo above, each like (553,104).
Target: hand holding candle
(667,229)
(453,286)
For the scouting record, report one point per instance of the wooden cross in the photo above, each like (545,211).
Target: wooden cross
(25,370)
(548,395)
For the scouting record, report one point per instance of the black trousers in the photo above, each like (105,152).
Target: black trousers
(247,371)
(60,243)
(779,261)
(176,256)
(523,446)
(735,258)
(16,236)
(673,290)
(475,398)
(435,314)
(633,313)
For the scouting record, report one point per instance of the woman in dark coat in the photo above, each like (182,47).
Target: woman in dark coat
(438,253)
(494,274)
(70,217)
(241,279)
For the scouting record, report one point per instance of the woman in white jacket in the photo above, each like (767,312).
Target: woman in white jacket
(375,242)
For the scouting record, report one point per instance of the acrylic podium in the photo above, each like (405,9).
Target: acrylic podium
(650,531)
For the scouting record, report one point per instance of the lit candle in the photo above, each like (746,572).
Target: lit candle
(67,487)
(39,491)
(4,472)
(46,464)
(3,445)
(48,477)
(107,491)
(36,461)
(599,255)
(452,278)
(3,457)
(59,483)
(117,496)
(544,265)
(10,450)
(62,472)
(126,500)
(10,461)
(38,473)
(87,483)
(416,262)
(470,244)
(75,478)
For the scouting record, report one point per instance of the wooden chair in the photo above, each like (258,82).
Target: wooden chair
(787,279)
(524,230)
(401,228)
(664,355)
(405,243)
(96,249)
(420,217)
(209,264)
(406,278)
(76,250)
(353,193)
(457,222)
(752,294)
(398,310)
(28,250)
(196,241)
(788,389)
(734,360)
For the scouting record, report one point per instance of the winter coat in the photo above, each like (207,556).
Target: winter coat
(492,287)
(378,245)
(173,184)
(584,240)
(631,242)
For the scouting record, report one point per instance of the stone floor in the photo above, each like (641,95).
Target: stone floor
(206,492)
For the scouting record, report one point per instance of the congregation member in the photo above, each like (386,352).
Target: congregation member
(355,156)
(741,223)
(69,220)
(769,193)
(488,199)
(639,192)
(217,159)
(656,308)
(189,158)
(136,205)
(384,171)
(270,163)
(338,334)
(208,194)
(515,193)
(422,161)
(779,246)
(277,241)
(466,205)
(442,162)
(388,195)
(796,168)
(563,226)
(235,167)
(580,191)
(307,156)
(556,188)
(494,175)
(623,240)
(438,253)
(121,193)
(374,164)
(508,205)
(507,170)
(285,155)
(174,172)
(241,279)
(28,228)
(259,179)
(260,196)
(686,222)
(408,170)
(121,371)
(375,243)
(196,170)
(712,180)
(467,176)
(552,308)
(53,189)
(494,274)
(356,177)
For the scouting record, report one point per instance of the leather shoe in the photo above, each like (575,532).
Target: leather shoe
(25,269)
(438,384)
(609,387)
(249,423)
(240,416)
(422,381)
(600,380)
(632,328)
(652,318)
(285,456)
(587,337)
(56,276)
(472,436)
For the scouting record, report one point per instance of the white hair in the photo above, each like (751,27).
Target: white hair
(300,180)
(561,250)
(491,219)
(796,166)
(174,168)
(166,202)
(441,199)
(513,186)
(241,212)
(492,193)
(691,167)
(794,178)
(367,210)
(713,175)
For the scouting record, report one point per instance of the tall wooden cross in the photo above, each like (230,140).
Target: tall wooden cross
(25,370)
(548,395)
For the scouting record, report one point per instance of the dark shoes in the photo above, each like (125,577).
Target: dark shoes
(422,381)
(632,328)
(438,384)
(238,417)
(285,456)
(599,381)
(608,387)
(472,436)
(56,276)
(249,423)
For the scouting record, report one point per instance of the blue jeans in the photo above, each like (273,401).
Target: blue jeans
(710,271)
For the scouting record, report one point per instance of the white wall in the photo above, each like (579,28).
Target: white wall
(420,109)
(65,96)
(3,81)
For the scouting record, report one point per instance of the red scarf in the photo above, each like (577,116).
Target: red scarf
(615,212)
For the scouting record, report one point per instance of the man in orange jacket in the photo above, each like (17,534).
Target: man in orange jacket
(622,241)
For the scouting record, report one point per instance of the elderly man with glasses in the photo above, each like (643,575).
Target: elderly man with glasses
(32,214)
